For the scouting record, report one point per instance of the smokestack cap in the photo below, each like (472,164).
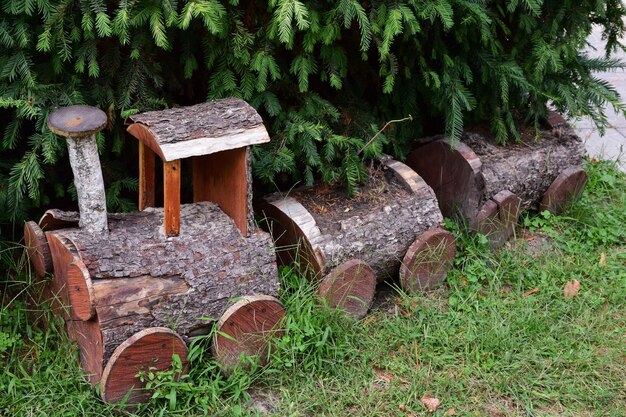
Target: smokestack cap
(77,121)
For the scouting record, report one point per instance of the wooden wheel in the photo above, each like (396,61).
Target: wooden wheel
(37,249)
(149,350)
(567,187)
(246,328)
(428,260)
(350,287)
(497,218)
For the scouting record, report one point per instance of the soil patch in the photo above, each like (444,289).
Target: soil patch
(330,204)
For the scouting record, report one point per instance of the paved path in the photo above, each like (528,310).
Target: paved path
(613,144)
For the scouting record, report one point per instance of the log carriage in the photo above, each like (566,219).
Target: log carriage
(486,185)
(392,227)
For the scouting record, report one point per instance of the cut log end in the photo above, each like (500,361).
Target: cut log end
(246,329)
(72,278)
(293,229)
(453,173)
(77,121)
(428,260)
(56,219)
(565,189)
(350,287)
(80,290)
(150,350)
(37,249)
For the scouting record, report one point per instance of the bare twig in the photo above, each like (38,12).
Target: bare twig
(408,118)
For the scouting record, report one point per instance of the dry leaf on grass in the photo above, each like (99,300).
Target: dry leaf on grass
(431,403)
(451,412)
(531,292)
(385,378)
(571,289)
(602,259)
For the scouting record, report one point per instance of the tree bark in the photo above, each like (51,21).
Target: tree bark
(377,227)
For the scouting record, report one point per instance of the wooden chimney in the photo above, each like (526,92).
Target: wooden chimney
(217,136)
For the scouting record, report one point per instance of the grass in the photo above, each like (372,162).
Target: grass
(499,340)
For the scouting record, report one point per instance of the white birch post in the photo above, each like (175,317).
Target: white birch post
(79,125)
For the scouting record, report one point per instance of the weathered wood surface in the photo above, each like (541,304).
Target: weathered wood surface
(201,129)
(55,219)
(37,249)
(245,329)
(77,121)
(377,227)
(350,287)
(467,176)
(149,350)
(142,279)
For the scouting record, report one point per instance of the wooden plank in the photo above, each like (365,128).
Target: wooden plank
(222,179)
(171,198)
(146,177)
(201,129)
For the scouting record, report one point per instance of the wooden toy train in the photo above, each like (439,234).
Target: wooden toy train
(136,288)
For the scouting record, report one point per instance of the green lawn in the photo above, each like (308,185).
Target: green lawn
(499,340)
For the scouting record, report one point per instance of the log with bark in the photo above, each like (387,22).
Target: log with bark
(112,288)
(486,185)
(350,244)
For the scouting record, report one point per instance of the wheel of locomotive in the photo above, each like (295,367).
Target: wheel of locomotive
(150,350)
(350,287)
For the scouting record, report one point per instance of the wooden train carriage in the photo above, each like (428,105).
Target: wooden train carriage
(393,225)
(486,185)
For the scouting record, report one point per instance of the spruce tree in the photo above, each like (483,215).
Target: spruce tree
(324,75)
